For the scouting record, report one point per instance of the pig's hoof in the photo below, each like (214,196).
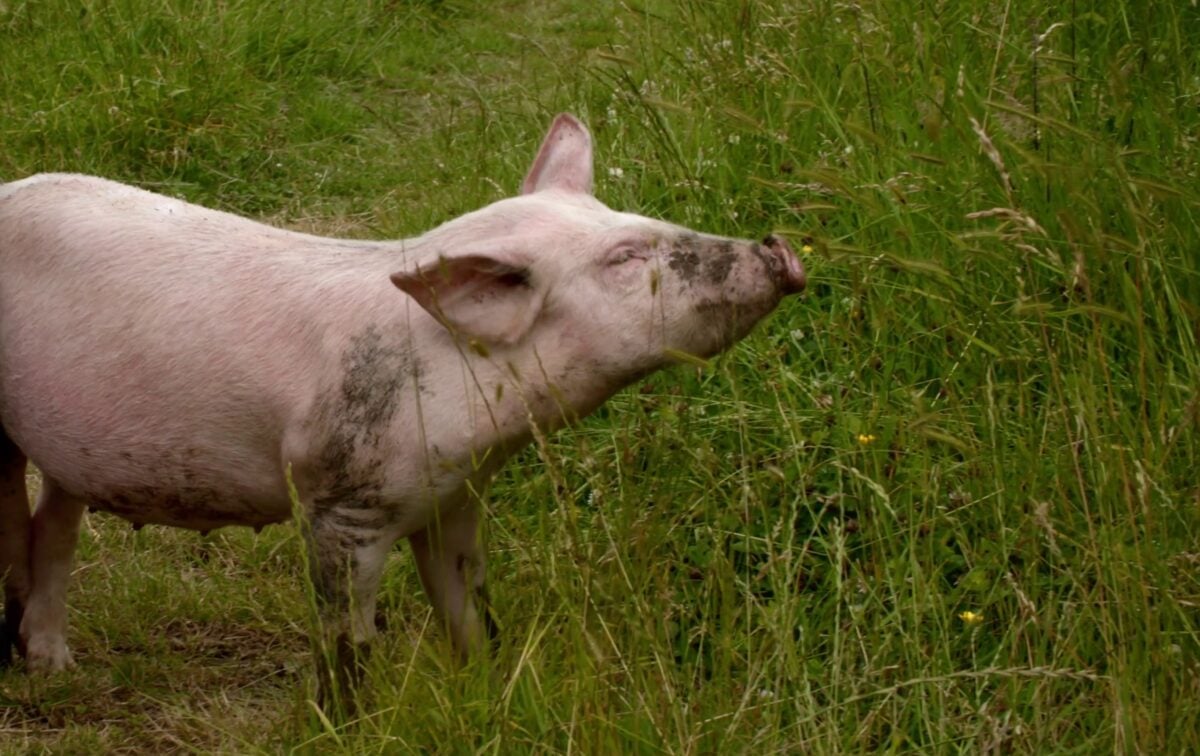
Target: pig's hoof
(48,655)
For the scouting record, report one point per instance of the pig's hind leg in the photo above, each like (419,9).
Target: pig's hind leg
(14,545)
(54,532)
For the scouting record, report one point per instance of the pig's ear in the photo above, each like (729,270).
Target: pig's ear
(476,296)
(565,159)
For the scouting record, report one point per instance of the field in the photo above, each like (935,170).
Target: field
(946,501)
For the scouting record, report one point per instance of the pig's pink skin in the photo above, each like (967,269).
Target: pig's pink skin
(167,362)
(190,353)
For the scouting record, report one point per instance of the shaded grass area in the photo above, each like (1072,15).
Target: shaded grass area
(986,403)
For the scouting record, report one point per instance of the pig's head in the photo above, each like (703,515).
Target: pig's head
(555,273)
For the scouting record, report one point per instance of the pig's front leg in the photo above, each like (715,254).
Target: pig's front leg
(53,535)
(345,561)
(451,564)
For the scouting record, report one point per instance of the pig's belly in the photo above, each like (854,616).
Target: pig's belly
(182,498)
(185,476)
(173,447)
(181,490)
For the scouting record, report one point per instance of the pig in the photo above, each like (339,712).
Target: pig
(175,365)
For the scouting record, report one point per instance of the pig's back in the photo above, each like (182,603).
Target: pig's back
(149,345)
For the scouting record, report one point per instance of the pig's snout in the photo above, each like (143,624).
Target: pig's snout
(790,270)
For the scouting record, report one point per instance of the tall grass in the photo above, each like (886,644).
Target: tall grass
(947,501)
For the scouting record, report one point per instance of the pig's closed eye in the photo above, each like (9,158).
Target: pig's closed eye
(622,255)
(514,278)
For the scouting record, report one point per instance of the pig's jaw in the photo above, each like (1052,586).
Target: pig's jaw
(545,392)
(542,385)
(516,397)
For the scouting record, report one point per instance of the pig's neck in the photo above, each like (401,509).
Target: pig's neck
(544,386)
(486,408)
(471,406)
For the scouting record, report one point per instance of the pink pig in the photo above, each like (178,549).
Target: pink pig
(168,364)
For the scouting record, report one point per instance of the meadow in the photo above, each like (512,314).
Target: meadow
(947,501)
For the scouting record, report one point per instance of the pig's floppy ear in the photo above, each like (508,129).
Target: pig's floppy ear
(476,296)
(564,160)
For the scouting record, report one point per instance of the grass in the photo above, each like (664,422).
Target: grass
(987,402)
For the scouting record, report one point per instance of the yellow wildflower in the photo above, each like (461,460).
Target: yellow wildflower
(866,438)
(807,249)
(970,617)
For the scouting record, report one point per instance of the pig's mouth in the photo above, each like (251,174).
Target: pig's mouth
(782,261)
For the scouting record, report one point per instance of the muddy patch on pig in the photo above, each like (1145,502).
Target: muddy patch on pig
(184,506)
(372,374)
(718,261)
(176,488)
(683,259)
(349,465)
(331,576)
(696,261)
